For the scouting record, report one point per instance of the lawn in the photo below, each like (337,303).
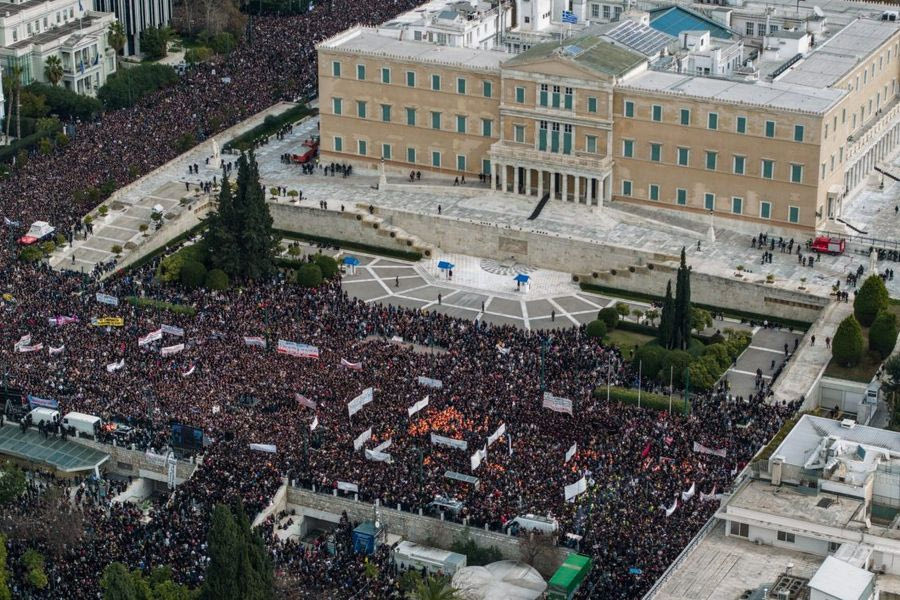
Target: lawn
(865,370)
(627,340)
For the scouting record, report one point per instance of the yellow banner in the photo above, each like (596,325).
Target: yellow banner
(108,322)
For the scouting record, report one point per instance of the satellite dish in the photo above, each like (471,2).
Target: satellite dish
(818,11)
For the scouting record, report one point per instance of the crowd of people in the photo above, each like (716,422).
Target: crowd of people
(635,462)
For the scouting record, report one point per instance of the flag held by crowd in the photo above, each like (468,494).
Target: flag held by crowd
(25,340)
(429,382)
(361,439)
(270,448)
(357,403)
(710,496)
(170,350)
(685,496)
(62,320)
(475,459)
(698,447)
(189,371)
(571,452)
(449,442)
(573,489)
(557,404)
(417,407)
(314,424)
(378,456)
(172,330)
(297,349)
(496,435)
(356,366)
(115,366)
(153,336)
(54,351)
(33,348)
(107,299)
(304,401)
(671,509)
(255,341)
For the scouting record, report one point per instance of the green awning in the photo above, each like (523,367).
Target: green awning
(65,456)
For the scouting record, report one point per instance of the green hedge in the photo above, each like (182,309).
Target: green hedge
(648,400)
(637,328)
(728,312)
(7,153)
(270,126)
(380,250)
(168,247)
(151,303)
(773,444)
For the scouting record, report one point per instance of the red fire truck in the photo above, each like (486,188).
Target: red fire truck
(310,149)
(828,245)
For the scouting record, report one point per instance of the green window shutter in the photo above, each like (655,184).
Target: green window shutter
(486,166)
(411,155)
(654,191)
(435,120)
(567,143)
(711,161)
(655,152)
(681,197)
(336,69)
(554,141)
(770,129)
(629,109)
(520,95)
(486,127)
(657,112)
(794,214)
(685,116)
(386,151)
(796,173)
(626,188)
(712,121)
(742,124)
(798,133)
(737,205)
(567,102)
(460,163)
(411,116)
(488,88)
(386,113)
(543,98)
(542,140)
(592,105)
(628,148)
(362,148)
(555,99)
(591,144)
(436,83)
(768,169)
(410,79)
(361,72)
(435,159)
(385,75)
(461,86)
(338,144)
(336,106)
(460,124)
(709,201)
(765,210)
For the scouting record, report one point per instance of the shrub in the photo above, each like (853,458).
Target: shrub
(192,274)
(217,280)
(871,299)
(596,329)
(328,266)
(170,267)
(103,210)
(622,309)
(649,358)
(720,353)
(673,364)
(116,249)
(309,275)
(125,87)
(60,240)
(883,334)
(143,227)
(704,373)
(847,345)
(475,554)
(610,316)
(648,400)
(178,309)
(31,254)
(48,247)
(192,56)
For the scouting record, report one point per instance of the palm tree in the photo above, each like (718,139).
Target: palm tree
(434,588)
(53,70)
(115,35)
(15,84)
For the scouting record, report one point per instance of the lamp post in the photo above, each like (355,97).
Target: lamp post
(545,343)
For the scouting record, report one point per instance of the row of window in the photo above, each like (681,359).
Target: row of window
(555,96)
(770,128)
(487,87)
(436,118)
(738,163)
(654,192)
(412,157)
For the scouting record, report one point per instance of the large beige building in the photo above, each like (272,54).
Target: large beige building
(588,121)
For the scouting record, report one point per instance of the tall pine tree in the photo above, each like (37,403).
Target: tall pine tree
(681,327)
(239,566)
(221,235)
(667,318)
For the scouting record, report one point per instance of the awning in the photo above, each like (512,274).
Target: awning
(444,265)
(66,456)
(522,278)
(351,260)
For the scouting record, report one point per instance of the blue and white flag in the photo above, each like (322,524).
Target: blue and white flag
(107,299)
(569,17)
(295,349)
(173,330)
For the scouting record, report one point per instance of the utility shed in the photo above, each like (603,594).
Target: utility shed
(837,580)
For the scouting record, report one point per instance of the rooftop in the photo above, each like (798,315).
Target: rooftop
(65,456)
(840,580)
(590,51)
(58,32)
(837,55)
(675,19)
(790,502)
(9,9)
(763,94)
(637,37)
(368,41)
(803,440)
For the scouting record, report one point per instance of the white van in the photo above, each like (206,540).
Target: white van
(45,415)
(84,425)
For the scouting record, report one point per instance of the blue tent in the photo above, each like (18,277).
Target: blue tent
(445,265)
(522,278)
(351,260)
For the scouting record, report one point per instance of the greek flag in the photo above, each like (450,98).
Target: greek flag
(569,17)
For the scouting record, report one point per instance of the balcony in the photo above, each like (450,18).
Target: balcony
(873,129)
(506,153)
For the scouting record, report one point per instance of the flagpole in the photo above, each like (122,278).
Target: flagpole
(640,369)
(608,377)
(670,388)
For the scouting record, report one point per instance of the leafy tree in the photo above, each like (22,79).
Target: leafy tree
(217,280)
(704,373)
(115,36)
(66,103)
(309,275)
(649,359)
(328,265)
(883,334)
(239,567)
(53,69)
(610,316)
(192,274)
(34,562)
(673,364)
(117,583)
(871,299)
(14,78)
(155,42)
(435,588)
(892,374)
(124,88)
(847,345)
(700,319)
(222,43)
(200,54)
(667,319)
(681,321)
(623,309)
(5,594)
(12,483)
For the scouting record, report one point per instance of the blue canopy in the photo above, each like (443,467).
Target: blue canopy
(445,265)
(635,571)
(351,260)
(522,278)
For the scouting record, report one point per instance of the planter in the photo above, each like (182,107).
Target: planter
(427,252)
(631,269)
(393,234)
(613,272)
(595,275)
(359,217)
(738,275)
(575,278)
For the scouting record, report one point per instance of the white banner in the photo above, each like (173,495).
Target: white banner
(378,456)
(23,341)
(347,487)
(107,299)
(445,441)
(383,445)
(304,401)
(172,330)
(357,403)
(58,350)
(557,404)
(34,348)
(476,458)
(314,424)
(417,406)
(264,448)
(671,509)
(153,336)
(574,489)
(115,366)
(189,371)
(710,496)
(170,350)
(254,341)
(356,366)
(698,447)
(362,438)
(496,435)
(685,496)
(429,382)
(571,452)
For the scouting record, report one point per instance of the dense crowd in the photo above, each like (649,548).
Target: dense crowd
(636,462)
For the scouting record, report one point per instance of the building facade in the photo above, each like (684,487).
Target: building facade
(136,16)
(588,121)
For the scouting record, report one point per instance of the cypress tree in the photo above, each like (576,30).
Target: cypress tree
(259,583)
(681,326)
(222,582)
(666,319)
(258,240)
(221,233)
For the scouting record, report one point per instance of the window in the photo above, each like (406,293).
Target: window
(460,124)
(335,67)
(629,109)
(768,168)
(709,201)
(460,85)
(655,152)
(770,129)
(681,196)
(796,173)
(556,96)
(793,214)
(684,157)
(361,72)
(739,165)
(784,536)
(410,79)
(544,95)
(460,162)
(385,75)
(741,125)
(835,546)
(542,136)
(361,109)
(487,88)
(590,144)
(338,144)
(595,11)
(411,116)
(606,11)
(436,83)
(737,205)
(386,151)
(336,105)
(712,120)
(520,95)
(519,133)
(765,210)
(749,28)
(435,120)
(568,98)
(626,187)
(628,148)
(798,133)
(711,158)
(656,112)
(361,147)
(685,116)
(411,155)
(654,191)
(592,104)
(487,126)
(386,113)
(486,166)
(435,159)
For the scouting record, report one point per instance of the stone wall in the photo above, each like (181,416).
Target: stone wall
(419,529)
(134,463)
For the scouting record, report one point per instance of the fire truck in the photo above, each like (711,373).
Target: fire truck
(310,150)
(828,245)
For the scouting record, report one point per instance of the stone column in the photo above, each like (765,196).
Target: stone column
(553,187)
(540,187)
(515,179)
(503,178)
(565,187)
(577,183)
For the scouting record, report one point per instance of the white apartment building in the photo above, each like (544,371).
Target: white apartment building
(454,23)
(31,31)
(137,16)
